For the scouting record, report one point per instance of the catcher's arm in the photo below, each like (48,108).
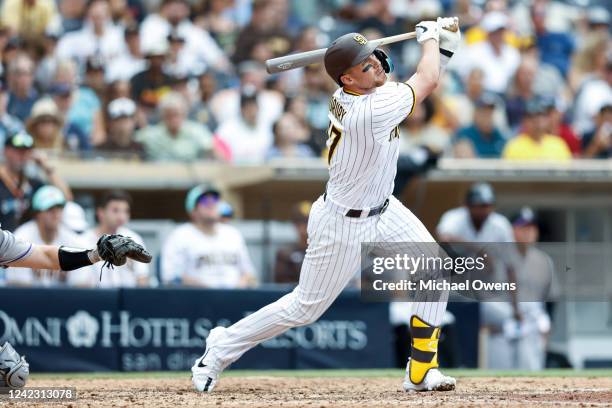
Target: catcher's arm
(113,249)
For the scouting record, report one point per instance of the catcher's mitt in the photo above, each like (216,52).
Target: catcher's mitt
(115,249)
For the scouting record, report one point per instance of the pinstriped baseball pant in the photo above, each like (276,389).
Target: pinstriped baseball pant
(332,259)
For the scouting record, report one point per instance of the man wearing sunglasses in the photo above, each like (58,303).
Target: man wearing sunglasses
(358,206)
(206,252)
(18,185)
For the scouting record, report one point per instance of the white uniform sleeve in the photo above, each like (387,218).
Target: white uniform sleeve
(174,259)
(448,224)
(391,104)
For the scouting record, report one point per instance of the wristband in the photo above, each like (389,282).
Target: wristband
(75,258)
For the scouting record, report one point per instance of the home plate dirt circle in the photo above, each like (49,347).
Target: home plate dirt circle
(263,391)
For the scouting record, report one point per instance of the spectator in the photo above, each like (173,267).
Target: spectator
(72,12)
(248,140)
(45,229)
(205,252)
(47,63)
(179,61)
(534,143)
(289,139)
(22,94)
(520,92)
(29,19)
(98,38)
(593,93)
(494,57)
(558,125)
(418,130)
(45,125)
(200,110)
(175,138)
(121,126)
(128,64)
(150,85)
(289,259)
(215,17)
(482,138)
(174,16)
(113,214)
(597,144)
(317,88)
(17,186)
(9,124)
(555,47)
(266,29)
(84,105)
(75,139)
(463,104)
(225,104)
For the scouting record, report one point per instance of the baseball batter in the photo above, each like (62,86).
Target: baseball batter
(357,205)
(113,249)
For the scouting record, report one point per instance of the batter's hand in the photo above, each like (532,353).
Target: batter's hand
(427,30)
(449,39)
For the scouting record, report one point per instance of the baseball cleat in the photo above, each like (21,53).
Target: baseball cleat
(434,381)
(205,371)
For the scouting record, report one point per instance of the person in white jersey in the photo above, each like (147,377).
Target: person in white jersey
(357,207)
(113,213)
(206,252)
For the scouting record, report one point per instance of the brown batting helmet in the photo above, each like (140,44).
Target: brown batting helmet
(346,51)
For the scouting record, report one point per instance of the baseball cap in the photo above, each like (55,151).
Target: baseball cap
(121,107)
(156,49)
(94,64)
(346,51)
(198,191)
(20,140)
(526,216)
(480,194)
(494,21)
(535,106)
(486,100)
(47,197)
(598,16)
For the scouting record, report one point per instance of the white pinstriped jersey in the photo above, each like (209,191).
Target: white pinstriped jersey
(363,143)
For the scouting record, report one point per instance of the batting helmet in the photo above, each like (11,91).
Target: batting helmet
(480,194)
(349,50)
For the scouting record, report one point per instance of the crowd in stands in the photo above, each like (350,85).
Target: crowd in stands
(184,79)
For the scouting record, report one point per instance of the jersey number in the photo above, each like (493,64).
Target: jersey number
(333,137)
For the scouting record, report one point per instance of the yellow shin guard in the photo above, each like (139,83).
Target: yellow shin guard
(424,353)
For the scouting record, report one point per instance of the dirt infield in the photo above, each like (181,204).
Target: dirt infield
(261,391)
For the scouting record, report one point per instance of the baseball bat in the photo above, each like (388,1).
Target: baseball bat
(301,59)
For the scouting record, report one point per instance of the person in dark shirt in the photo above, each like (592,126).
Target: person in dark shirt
(16,188)
(480,139)
(289,259)
(151,84)
(597,144)
(121,125)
